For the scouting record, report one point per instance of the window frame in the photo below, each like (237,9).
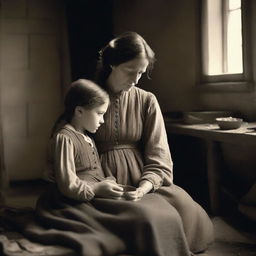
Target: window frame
(231,82)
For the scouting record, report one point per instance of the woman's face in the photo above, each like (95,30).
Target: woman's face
(127,75)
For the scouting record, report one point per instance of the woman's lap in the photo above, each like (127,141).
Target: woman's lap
(154,225)
(129,225)
(197,224)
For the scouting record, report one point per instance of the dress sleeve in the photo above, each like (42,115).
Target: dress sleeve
(158,165)
(66,178)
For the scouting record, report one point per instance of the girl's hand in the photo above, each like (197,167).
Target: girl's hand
(107,189)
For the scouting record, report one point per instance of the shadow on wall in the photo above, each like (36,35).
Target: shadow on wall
(239,167)
(89,29)
(190,167)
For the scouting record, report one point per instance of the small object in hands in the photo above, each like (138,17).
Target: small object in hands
(228,123)
(9,247)
(30,246)
(126,188)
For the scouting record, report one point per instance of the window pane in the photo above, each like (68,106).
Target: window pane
(222,37)
(234,42)
(234,4)
(213,38)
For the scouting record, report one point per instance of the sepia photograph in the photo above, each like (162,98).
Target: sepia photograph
(127,127)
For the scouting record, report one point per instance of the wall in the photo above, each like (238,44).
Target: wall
(89,29)
(33,69)
(170,29)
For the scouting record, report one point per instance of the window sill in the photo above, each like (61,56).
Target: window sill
(226,87)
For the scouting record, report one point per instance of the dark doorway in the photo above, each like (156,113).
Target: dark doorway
(89,29)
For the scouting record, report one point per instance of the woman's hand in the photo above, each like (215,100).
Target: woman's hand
(135,195)
(144,187)
(107,189)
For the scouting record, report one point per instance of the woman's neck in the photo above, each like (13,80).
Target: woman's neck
(110,84)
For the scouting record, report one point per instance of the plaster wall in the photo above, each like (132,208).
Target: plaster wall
(169,27)
(30,81)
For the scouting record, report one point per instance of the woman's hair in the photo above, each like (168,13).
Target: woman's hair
(84,93)
(121,49)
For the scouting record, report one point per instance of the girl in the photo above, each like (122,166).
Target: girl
(72,151)
(82,209)
(132,142)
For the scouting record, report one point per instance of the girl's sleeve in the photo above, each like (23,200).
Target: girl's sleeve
(158,165)
(68,182)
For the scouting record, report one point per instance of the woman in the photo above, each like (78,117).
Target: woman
(132,142)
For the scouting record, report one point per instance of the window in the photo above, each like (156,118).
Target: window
(225,42)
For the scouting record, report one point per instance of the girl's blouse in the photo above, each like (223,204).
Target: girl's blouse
(73,164)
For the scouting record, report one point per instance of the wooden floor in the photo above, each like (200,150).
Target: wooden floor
(233,236)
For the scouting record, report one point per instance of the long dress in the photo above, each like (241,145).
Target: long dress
(133,146)
(68,213)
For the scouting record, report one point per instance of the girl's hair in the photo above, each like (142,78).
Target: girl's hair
(84,93)
(121,49)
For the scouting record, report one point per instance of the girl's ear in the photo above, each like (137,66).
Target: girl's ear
(78,111)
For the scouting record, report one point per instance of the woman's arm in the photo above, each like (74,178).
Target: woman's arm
(158,165)
(144,188)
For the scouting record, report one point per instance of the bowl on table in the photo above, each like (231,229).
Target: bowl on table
(203,117)
(229,123)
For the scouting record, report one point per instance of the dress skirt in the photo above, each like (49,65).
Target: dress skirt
(106,227)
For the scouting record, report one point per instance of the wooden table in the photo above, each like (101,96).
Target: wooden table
(213,136)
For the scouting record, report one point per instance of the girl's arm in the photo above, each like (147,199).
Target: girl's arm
(70,184)
(66,178)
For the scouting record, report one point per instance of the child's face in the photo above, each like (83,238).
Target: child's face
(91,119)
